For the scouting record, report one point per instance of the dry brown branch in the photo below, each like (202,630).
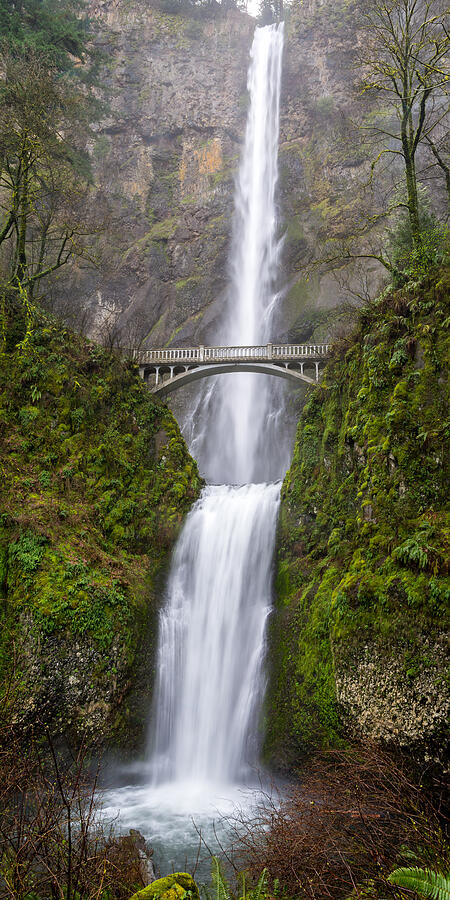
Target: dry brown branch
(54,842)
(350,820)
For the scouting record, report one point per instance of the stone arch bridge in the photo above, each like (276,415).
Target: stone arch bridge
(166,370)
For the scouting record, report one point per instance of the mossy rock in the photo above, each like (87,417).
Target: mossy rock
(363,542)
(96,480)
(173,887)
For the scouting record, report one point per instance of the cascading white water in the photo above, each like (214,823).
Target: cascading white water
(234,428)
(210,675)
(212,627)
(212,634)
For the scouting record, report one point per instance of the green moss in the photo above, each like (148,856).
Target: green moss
(295,231)
(187,283)
(364,523)
(162,231)
(96,481)
(178,886)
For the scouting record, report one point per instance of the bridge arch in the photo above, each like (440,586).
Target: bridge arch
(195,374)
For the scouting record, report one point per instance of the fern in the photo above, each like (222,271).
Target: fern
(219,882)
(260,891)
(424,882)
(223,891)
(418,550)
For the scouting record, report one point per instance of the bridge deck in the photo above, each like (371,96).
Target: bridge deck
(205,355)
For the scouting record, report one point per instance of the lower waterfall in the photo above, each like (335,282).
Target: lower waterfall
(211,636)
(202,765)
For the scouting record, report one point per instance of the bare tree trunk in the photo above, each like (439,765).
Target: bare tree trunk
(23,221)
(410,173)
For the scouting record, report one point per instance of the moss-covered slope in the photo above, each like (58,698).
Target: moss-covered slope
(95,481)
(359,633)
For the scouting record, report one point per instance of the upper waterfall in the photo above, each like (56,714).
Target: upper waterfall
(232,430)
(255,249)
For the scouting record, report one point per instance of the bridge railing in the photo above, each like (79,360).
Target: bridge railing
(286,351)
(173,355)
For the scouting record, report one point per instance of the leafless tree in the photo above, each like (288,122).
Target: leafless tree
(405,65)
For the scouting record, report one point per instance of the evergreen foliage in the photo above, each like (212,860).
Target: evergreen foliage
(47,101)
(423,882)
(55,30)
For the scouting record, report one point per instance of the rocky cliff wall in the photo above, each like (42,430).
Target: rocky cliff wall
(165,157)
(163,164)
(359,637)
(323,163)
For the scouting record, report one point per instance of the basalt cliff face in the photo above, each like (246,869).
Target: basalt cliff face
(165,157)
(323,164)
(163,164)
(359,635)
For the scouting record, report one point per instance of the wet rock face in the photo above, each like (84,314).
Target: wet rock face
(164,163)
(165,157)
(322,163)
(67,682)
(382,700)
